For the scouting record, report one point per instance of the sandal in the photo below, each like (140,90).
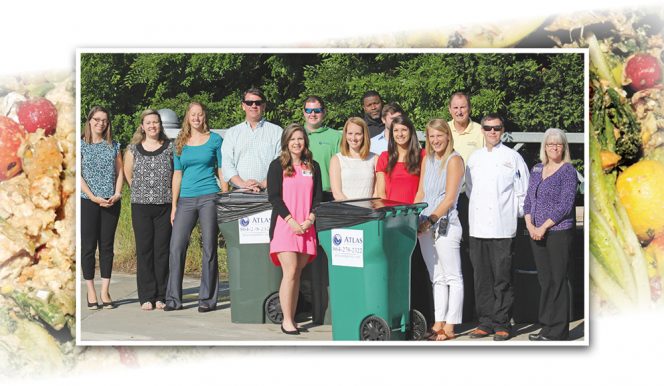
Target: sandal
(438,335)
(160,305)
(147,306)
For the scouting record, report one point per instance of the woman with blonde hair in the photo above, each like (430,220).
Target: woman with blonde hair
(439,231)
(101,192)
(148,167)
(352,170)
(549,214)
(294,189)
(197,165)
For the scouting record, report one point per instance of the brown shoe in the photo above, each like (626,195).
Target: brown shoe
(478,333)
(501,336)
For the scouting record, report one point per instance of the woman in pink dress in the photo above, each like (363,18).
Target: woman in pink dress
(294,190)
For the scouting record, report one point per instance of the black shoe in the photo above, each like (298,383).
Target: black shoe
(542,338)
(169,308)
(294,332)
(500,336)
(205,308)
(93,306)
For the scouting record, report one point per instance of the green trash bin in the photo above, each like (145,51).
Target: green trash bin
(244,221)
(369,243)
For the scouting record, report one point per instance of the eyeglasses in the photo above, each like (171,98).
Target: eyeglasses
(554,145)
(254,103)
(316,110)
(102,121)
(494,128)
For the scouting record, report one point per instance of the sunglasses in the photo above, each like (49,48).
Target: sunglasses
(316,110)
(494,128)
(254,103)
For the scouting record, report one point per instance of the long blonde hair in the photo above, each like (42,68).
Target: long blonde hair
(439,124)
(185,132)
(139,135)
(366,141)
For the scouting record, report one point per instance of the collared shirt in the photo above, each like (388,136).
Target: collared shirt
(496,184)
(376,126)
(379,143)
(469,140)
(324,143)
(247,152)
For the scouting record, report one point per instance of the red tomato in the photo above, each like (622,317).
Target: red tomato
(36,114)
(11,137)
(643,71)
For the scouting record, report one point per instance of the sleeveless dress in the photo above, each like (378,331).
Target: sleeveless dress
(357,176)
(297,193)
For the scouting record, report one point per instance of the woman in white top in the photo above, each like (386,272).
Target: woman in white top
(439,231)
(352,170)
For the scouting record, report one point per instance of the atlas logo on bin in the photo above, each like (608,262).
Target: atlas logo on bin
(348,247)
(244,221)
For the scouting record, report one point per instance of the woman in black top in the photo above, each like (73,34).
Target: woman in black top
(148,167)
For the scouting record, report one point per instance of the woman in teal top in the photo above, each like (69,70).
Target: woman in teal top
(197,165)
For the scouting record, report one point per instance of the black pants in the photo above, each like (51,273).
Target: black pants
(466,266)
(421,290)
(492,265)
(152,232)
(98,227)
(551,259)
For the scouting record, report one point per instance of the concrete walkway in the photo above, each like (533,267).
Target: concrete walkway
(128,324)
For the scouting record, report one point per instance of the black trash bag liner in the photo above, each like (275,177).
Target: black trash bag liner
(346,213)
(238,204)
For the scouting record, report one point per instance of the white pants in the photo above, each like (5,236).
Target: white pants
(443,261)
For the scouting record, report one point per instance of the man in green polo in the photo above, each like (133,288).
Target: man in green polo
(323,141)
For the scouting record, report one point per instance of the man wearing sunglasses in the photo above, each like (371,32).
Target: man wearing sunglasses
(250,146)
(496,184)
(372,104)
(323,141)
(389,112)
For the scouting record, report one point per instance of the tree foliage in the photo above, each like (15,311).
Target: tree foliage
(531,91)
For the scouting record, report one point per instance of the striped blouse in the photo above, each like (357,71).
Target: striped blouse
(435,181)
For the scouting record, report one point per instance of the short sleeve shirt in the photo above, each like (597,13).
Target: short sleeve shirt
(198,165)
(152,174)
(98,167)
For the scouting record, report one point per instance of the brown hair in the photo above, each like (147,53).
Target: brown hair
(87,129)
(185,132)
(285,158)
(344,149)
(413,157)
(139,135)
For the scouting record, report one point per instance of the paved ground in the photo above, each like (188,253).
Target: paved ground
(128,323)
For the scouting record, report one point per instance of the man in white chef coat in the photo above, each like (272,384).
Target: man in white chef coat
(496,185)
